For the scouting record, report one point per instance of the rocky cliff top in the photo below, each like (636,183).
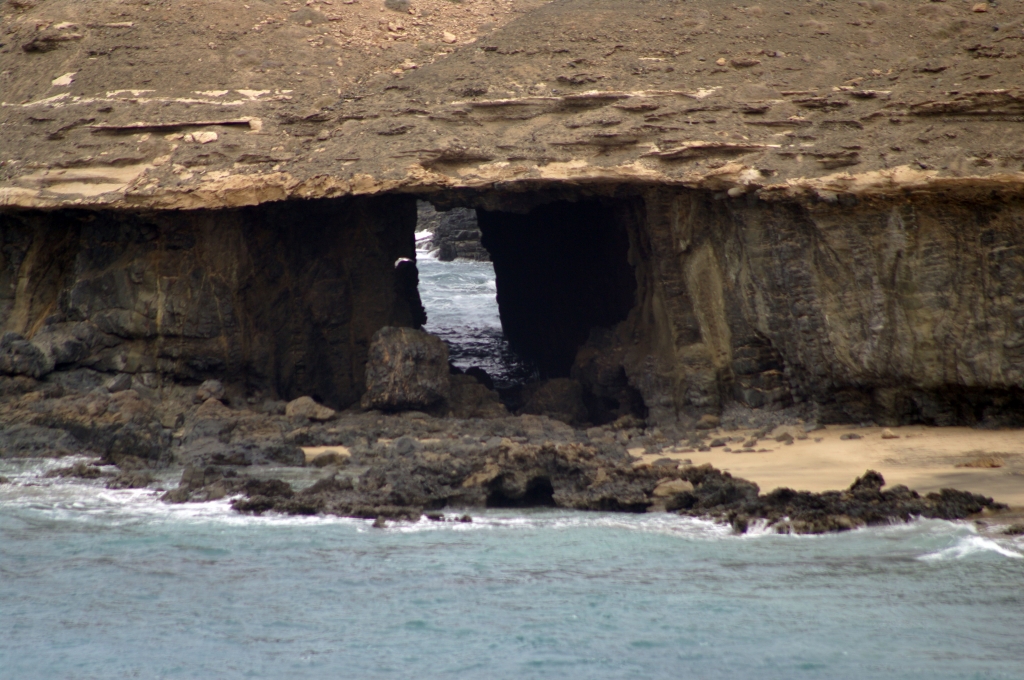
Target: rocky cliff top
(154,104)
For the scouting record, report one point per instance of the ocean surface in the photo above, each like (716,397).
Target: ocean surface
(114,584)
(105,584)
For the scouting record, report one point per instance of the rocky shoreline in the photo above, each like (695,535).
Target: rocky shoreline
(400,466)
(426,437)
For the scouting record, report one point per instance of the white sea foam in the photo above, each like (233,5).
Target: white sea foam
(665,524)
(88,501)
(423,252)
(968,546)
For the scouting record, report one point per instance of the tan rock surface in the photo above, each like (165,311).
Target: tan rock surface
(313,100)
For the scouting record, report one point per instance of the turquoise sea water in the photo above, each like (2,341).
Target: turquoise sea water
(459,298)
(114,584)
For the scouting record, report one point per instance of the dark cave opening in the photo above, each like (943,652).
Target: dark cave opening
(507,492)
(562,279)
(562,269)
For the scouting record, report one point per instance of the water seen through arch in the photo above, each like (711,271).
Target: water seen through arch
(462,309)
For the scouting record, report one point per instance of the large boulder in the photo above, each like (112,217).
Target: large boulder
(471,399)
(18,356)
(306,407)
(406,369)
(560,398)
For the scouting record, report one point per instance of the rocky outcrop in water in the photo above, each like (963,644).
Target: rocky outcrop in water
(371,464)
(457,237)
(580,477)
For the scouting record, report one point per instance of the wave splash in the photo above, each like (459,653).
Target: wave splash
(970,546)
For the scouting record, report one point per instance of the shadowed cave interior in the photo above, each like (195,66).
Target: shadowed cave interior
(562,273)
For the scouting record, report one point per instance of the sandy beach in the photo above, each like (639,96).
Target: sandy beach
(923,458)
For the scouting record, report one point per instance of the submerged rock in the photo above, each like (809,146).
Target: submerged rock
(138,479)
(78,470)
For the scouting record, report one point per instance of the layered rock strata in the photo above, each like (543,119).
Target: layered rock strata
(278,300)
(893,310)
(456,233)
(806,205)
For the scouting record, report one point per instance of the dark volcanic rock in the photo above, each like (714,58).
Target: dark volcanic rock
(138,479)
(457,236)
(406,369)
(78,470)
(246,308)
(210,484)
(456,233)
(864,503)
(403,482)
(24,440)
(560,398)
(471,399)
(109,425)
(18,356)
(217,435)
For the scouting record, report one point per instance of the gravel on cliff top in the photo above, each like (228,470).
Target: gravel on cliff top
(164,104)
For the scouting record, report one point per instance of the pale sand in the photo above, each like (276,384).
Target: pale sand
(314,451)
(923,458)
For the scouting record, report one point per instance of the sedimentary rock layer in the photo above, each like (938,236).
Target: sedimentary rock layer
(119,108)
(894,310)
(280,299)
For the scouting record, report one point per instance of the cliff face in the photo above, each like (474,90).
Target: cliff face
(812,204)
(889,310)
(280,299)
(857,309)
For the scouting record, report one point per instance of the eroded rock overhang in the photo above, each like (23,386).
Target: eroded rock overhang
(675,302)
(840,229)
(787,101)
